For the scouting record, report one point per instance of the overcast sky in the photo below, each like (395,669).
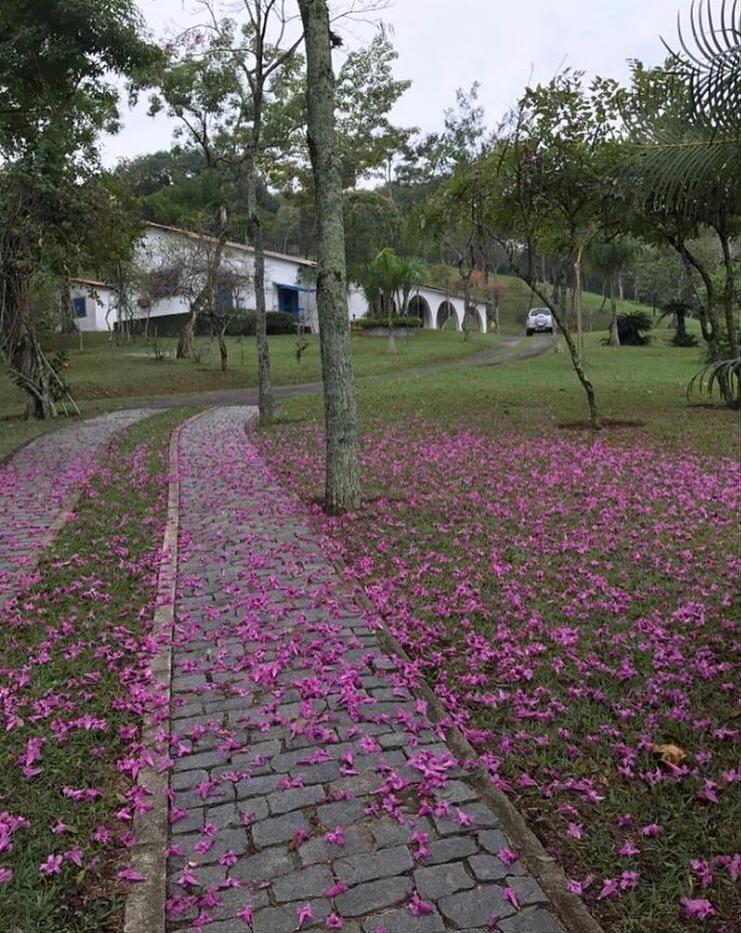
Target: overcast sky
(446,44)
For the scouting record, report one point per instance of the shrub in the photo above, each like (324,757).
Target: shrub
(633,327)
(367,323)
(242,323)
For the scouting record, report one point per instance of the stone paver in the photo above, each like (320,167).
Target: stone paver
(38,481)
(314,790)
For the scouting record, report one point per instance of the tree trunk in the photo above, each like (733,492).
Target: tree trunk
(222,351)
(343,470)
(614,340)
(577,297)
(256,238)
(709,319)
(576,362)
(390,320)
(184,349)
(731,323)
(21,351)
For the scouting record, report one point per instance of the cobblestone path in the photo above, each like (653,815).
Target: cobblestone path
(308,788)
(37,482)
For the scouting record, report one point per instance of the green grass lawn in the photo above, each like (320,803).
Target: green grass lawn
(104,376)
(646,384)
(105,371)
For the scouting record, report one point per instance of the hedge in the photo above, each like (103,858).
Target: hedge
(369,322)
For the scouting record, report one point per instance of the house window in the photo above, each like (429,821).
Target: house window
(78,306)
(288,299)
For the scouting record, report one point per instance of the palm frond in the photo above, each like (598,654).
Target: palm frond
(708,62)
(712,62)
(691,171)
(715,375)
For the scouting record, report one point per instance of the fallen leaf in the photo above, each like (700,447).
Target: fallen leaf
(670,754)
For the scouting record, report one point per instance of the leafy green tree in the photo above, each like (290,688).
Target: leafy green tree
(366,93)
(463,139)
(236,94)
(388,281)
(58,211)
(371,220)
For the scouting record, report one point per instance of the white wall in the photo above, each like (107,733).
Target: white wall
(157,242)
(99,301)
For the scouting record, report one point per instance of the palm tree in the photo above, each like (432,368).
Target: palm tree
(387,282)
(689,169)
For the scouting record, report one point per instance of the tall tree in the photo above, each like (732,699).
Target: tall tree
(343,468)
(57,213)
(230,90)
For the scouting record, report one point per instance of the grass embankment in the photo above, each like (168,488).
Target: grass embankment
(73,663)
(573,600)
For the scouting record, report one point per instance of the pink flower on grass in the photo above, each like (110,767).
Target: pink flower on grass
(579,887)
(702,871)
(651,831)
(74,855)
(52,866)
(574,830)
(6,875)
(609,889)
(629,848)
(698,908)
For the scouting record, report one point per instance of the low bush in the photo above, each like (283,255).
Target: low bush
(633,327)
(243,324)
(367,323)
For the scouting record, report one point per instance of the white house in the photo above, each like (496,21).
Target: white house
(289,287)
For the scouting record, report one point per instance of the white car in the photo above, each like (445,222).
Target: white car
(539,321)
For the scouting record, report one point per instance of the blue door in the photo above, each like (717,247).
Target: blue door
(288,299)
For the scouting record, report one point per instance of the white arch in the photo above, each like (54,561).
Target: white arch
(419,307)
(447,310)
(474,313)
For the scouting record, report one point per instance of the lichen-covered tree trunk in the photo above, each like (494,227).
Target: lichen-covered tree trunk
(343,470)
